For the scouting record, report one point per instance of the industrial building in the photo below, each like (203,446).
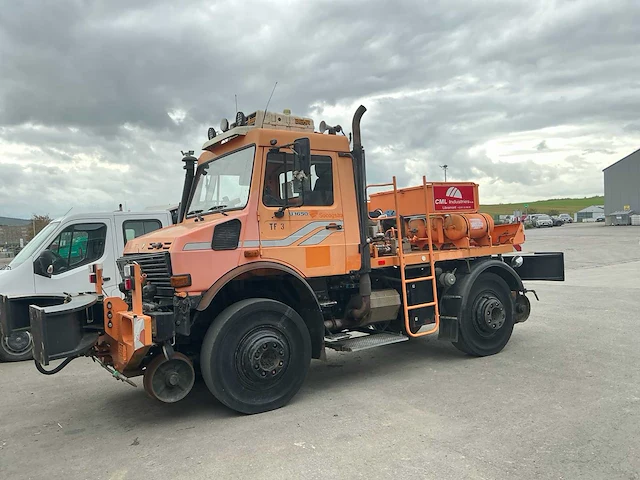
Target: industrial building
(622,188)
(589,214)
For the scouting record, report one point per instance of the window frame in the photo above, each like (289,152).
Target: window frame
(332,163)
(74,226)
(125,222)
(194,186)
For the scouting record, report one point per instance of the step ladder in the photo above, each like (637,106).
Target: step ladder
(347,343)
(403,263)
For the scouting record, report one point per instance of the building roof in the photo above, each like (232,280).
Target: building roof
(592,208)
(622,212)
(624,158)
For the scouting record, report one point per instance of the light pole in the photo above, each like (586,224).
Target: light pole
(444,167)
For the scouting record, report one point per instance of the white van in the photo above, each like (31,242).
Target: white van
(58,258)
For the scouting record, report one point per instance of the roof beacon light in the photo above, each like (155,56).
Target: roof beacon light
(211,133)
(241,119)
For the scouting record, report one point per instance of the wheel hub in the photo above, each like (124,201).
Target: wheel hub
(490,313)
(17,342)
(262,355)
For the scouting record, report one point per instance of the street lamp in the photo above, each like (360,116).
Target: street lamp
(444,167)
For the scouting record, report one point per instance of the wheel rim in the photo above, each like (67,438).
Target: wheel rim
(169,380)
(17,343)
(489,315)
(262,357)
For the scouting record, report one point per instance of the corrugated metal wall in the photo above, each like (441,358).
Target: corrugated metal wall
(622,184)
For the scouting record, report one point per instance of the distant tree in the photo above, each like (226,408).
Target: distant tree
(554,212)
(38,222)
(533,210)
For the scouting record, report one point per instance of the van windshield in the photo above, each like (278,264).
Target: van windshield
(223,183)
(33,245)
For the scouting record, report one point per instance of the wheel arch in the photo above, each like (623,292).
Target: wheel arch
(255,280)
(454,299)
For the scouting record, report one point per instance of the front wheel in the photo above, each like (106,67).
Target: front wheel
(487,320)
(255,355)
(16,347)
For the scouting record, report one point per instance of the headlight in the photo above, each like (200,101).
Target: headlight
(517,261)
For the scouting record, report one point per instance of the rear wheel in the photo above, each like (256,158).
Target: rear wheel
(487,321)
(256,355)
(16,347)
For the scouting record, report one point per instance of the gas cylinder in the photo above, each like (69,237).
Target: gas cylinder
(473,225)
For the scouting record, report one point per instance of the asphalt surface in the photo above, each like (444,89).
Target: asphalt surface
(561,401)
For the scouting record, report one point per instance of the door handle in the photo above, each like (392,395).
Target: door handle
(337,226)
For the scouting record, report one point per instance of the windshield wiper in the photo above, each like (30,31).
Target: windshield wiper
(196,213)
(219,208)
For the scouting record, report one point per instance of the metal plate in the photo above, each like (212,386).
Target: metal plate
(364,342)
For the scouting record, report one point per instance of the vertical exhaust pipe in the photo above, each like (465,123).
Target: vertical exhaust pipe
(189,165)
(360,176)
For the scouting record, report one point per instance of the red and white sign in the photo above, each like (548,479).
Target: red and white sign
(453,197)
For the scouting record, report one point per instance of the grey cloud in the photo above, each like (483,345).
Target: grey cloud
(99,79)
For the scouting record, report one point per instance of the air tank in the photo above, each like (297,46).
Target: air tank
(473,225)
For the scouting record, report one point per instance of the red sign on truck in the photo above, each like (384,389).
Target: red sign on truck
(453,197)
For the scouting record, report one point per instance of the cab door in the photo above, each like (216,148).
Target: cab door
(77,246)
(302,222)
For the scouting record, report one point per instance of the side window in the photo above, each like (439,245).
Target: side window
(136,228)
(77,245)
(279,184)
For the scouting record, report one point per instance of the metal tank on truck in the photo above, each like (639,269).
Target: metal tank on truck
(279,252)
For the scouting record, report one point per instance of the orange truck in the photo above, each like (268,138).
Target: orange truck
(282,250)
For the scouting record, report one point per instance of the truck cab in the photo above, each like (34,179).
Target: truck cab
(57,259)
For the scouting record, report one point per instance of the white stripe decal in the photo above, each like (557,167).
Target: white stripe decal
(314,239)
(197,246)
(297,235)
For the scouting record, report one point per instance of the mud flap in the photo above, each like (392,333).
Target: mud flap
(65,330)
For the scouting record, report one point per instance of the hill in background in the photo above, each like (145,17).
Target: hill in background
(557,205)
(12,222)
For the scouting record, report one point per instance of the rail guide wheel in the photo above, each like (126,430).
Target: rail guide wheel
(169,380)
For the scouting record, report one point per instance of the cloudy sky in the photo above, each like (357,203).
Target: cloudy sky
(529,99)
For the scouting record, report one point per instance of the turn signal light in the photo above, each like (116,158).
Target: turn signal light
(128,284)
(180,281)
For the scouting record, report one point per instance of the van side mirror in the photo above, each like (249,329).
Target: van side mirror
(43,265)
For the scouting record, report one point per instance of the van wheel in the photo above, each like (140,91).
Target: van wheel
(16,347)
(255,355)
(487,321)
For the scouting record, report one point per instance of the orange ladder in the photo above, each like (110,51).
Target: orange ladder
(403,265)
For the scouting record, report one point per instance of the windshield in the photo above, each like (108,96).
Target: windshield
(33,245)
(223,183)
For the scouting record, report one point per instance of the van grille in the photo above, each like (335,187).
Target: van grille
(157,268)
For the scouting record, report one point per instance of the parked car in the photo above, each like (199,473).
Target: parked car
(566,218)
(543,221)
(557,221)
(600,218)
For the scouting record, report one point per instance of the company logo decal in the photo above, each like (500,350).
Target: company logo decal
(454,192)
(454,198)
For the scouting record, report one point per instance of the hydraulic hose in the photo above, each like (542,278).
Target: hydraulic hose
(42,370)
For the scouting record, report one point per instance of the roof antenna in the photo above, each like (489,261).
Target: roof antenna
(236,103)
(268,101)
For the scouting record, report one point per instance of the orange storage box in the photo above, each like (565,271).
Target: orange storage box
(449,197)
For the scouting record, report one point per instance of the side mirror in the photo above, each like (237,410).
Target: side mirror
(43,265)
(302,147)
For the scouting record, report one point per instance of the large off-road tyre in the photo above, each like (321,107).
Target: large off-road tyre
(256,355)
(16,347)
(486,323)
